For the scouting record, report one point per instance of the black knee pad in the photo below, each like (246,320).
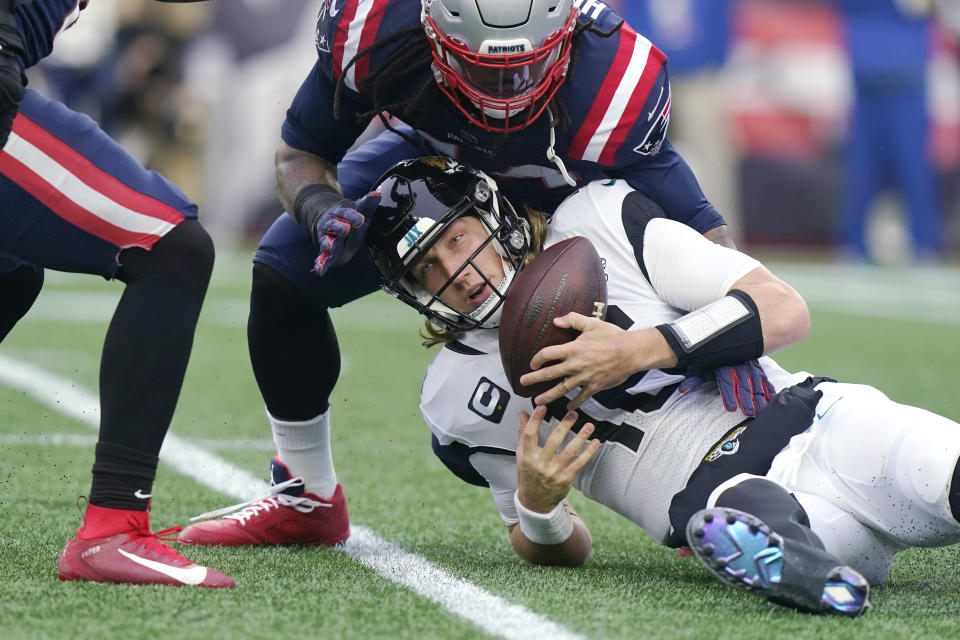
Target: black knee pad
(184,257)
(18,291)
(275,301)
(283,315)
(773,504)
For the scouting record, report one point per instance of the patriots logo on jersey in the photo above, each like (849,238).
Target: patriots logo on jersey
(323,45)
(327,10)
(658,132)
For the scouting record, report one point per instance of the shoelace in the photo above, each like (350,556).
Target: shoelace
(273,500)
(156,542)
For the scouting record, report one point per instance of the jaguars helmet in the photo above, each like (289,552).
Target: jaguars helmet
(419,199)
(500,61)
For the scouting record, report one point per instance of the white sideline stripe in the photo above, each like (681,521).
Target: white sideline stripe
(491,613)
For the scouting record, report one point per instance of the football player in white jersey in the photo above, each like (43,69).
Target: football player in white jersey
(805,504)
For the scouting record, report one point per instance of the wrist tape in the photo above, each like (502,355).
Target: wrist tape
(309,205)
(721,333)
(544,528)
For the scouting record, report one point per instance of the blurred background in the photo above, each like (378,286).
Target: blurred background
(824,128)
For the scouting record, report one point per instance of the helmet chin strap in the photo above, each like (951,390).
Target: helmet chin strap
(552,154)
(500,114)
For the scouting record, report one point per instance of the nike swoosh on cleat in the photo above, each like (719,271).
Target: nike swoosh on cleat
(140,494)
(192,576)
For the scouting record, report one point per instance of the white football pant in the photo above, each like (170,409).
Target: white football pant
(873,476)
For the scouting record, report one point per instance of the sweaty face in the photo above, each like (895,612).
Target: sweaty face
(471,285)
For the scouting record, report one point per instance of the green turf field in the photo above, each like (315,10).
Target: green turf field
(429,558)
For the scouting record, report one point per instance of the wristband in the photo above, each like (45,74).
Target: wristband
(724,332)
(544,528)
(310,203)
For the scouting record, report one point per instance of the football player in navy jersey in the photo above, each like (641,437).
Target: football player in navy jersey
(545,95)
(804,504)
(73,200)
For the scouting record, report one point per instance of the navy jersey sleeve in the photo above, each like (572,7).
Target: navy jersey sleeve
(620,97)
(39,22)
(310,124)
(346,29)
(668,180)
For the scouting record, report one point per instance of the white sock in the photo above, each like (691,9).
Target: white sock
(305,448)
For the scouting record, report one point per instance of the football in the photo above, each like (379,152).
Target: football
(567,276)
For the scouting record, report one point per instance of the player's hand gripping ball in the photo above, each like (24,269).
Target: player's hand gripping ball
(567,276)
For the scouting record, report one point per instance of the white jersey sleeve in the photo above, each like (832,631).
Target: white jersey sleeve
(686,269)
(660,263)
(501,472)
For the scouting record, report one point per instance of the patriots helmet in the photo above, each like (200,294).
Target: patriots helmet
(500,61)
(420,198)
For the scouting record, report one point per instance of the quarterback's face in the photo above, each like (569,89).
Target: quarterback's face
(445,259)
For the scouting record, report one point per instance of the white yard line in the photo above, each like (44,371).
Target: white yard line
(491,613)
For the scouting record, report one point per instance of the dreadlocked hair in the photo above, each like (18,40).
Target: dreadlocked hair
(391,80)
(561,116)
(434,334)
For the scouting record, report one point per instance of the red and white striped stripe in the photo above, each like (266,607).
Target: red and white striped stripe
(620,101)
(356,31)
(72,187)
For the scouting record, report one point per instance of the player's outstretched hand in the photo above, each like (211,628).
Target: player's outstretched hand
(743,387)
(12,83)
(602,356)
(545,474)
(340,231)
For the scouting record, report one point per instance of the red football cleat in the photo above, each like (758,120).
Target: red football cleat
(136,556)
(286,516)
